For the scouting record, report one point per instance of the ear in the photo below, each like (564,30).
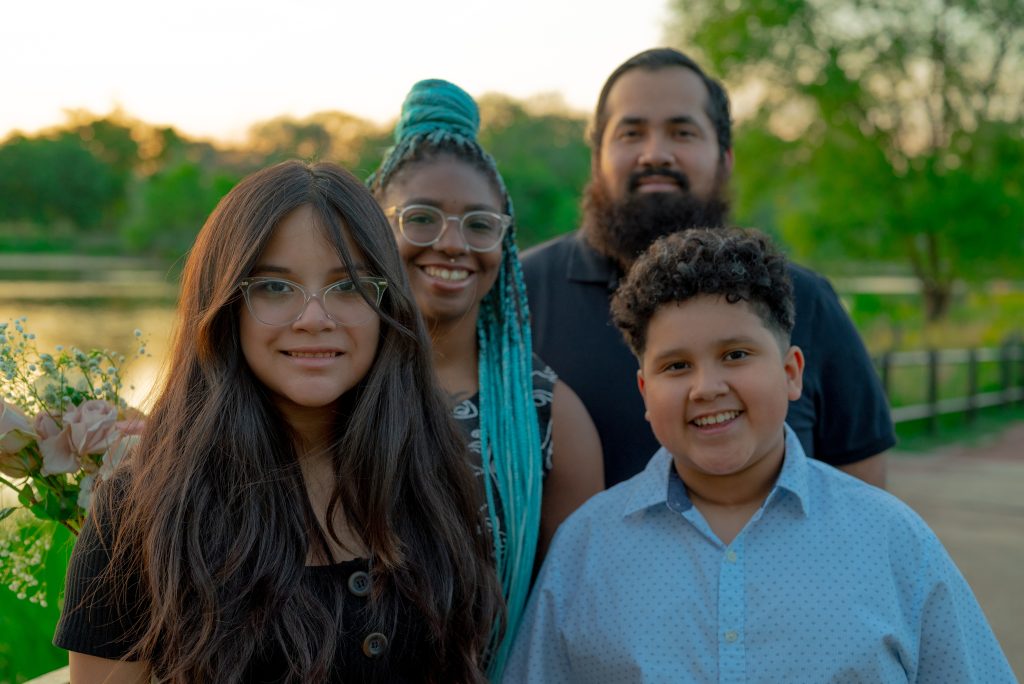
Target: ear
(728,159)
(642,386)
(793,364)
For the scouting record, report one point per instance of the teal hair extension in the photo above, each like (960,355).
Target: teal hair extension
(440,118)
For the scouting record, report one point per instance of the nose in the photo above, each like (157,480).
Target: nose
(452,241)
(656,152)
(708,384)
(314,317)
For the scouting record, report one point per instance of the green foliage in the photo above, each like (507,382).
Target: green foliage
(544,161)
(46,180)
(27,627)
(173,204)
(886,130)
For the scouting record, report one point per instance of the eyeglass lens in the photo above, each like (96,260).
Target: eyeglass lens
(279,302)
(423,226)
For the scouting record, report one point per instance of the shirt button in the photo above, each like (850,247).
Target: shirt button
(730,556)
(731,636)
(359,583)
(374,645)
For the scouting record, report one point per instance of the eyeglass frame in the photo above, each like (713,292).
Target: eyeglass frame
(397,212)
(380,285)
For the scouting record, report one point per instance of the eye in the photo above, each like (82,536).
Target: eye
(630,133)
(342,287)
(271,288)
(736,355)
(481,223)
(677,365)
(420,216)
(684,133)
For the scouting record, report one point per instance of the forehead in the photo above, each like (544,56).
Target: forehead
(704,321)
(444,179)
(657,95)
(300,240)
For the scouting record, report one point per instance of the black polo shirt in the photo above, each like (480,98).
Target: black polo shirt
(841,417)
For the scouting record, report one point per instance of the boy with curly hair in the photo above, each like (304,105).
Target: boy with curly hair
(733,557)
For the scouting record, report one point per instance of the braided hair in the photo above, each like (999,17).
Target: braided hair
(438,119)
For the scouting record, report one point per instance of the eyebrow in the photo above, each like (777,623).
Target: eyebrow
(281,270)
(639,120)
(437,205)
(724,342)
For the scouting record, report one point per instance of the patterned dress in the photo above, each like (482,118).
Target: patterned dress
(467,416)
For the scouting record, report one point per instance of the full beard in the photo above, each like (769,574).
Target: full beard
(623,230)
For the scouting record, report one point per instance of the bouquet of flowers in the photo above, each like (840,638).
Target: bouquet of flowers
(63,425)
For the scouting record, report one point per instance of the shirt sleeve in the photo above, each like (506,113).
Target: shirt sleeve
(957,644)
(851,417)
(100,616)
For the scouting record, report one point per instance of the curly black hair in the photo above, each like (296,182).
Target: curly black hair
(737,264)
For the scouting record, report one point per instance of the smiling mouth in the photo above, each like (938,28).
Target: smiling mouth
(715,418)
(313,355)
(452,274)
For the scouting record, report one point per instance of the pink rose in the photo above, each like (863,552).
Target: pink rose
(55,445)
(15,435)
(92,425)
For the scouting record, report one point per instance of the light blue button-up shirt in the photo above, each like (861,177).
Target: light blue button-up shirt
(832,580)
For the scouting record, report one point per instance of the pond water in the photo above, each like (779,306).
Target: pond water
(101,308)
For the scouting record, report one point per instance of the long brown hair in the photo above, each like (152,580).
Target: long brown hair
(216,521)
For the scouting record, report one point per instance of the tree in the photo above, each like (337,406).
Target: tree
(173,205)
(334,136)
(539,147)
(53,179)
(892,129)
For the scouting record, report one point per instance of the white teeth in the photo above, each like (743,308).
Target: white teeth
(715,419)
(313,355)
(445,273)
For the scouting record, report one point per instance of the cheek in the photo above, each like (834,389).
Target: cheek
(248,336)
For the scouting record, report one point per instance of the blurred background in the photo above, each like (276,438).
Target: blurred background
(880,141)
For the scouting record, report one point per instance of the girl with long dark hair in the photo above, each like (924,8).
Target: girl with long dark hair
(299,508)
(536,451)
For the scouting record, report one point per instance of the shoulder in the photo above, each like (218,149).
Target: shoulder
(809,285)
(840,497)
(595,522)
(551,253)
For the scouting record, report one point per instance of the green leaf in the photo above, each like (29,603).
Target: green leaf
(4,512)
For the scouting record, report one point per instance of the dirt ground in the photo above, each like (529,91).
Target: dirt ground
(973,497)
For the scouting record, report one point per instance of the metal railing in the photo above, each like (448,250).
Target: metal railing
(1010,359)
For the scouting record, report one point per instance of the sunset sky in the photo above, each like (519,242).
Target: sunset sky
(211,67)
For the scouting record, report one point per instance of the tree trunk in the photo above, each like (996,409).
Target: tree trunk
(938,297)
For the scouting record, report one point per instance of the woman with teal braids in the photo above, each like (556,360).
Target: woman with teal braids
(453,221)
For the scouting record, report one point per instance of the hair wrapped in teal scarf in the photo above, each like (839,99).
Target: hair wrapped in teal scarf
(439,118)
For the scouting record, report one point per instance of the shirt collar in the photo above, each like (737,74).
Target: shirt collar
(659,484)
(587,265)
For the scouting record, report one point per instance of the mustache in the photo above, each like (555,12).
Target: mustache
(678,176)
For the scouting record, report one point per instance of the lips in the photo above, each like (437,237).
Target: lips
(326,354)
(716,419)
(446,273)
(660,180)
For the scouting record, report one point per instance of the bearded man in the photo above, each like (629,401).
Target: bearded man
(661,159)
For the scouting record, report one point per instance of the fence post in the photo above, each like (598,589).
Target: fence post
(933,391)
(1019,383)
(884,368)
(1006,371)
(972,385)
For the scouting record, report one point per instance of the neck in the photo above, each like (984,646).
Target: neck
(454,346)
(746,488)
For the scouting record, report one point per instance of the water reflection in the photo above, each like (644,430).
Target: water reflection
(108,324)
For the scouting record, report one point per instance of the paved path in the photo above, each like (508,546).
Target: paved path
(973,497)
